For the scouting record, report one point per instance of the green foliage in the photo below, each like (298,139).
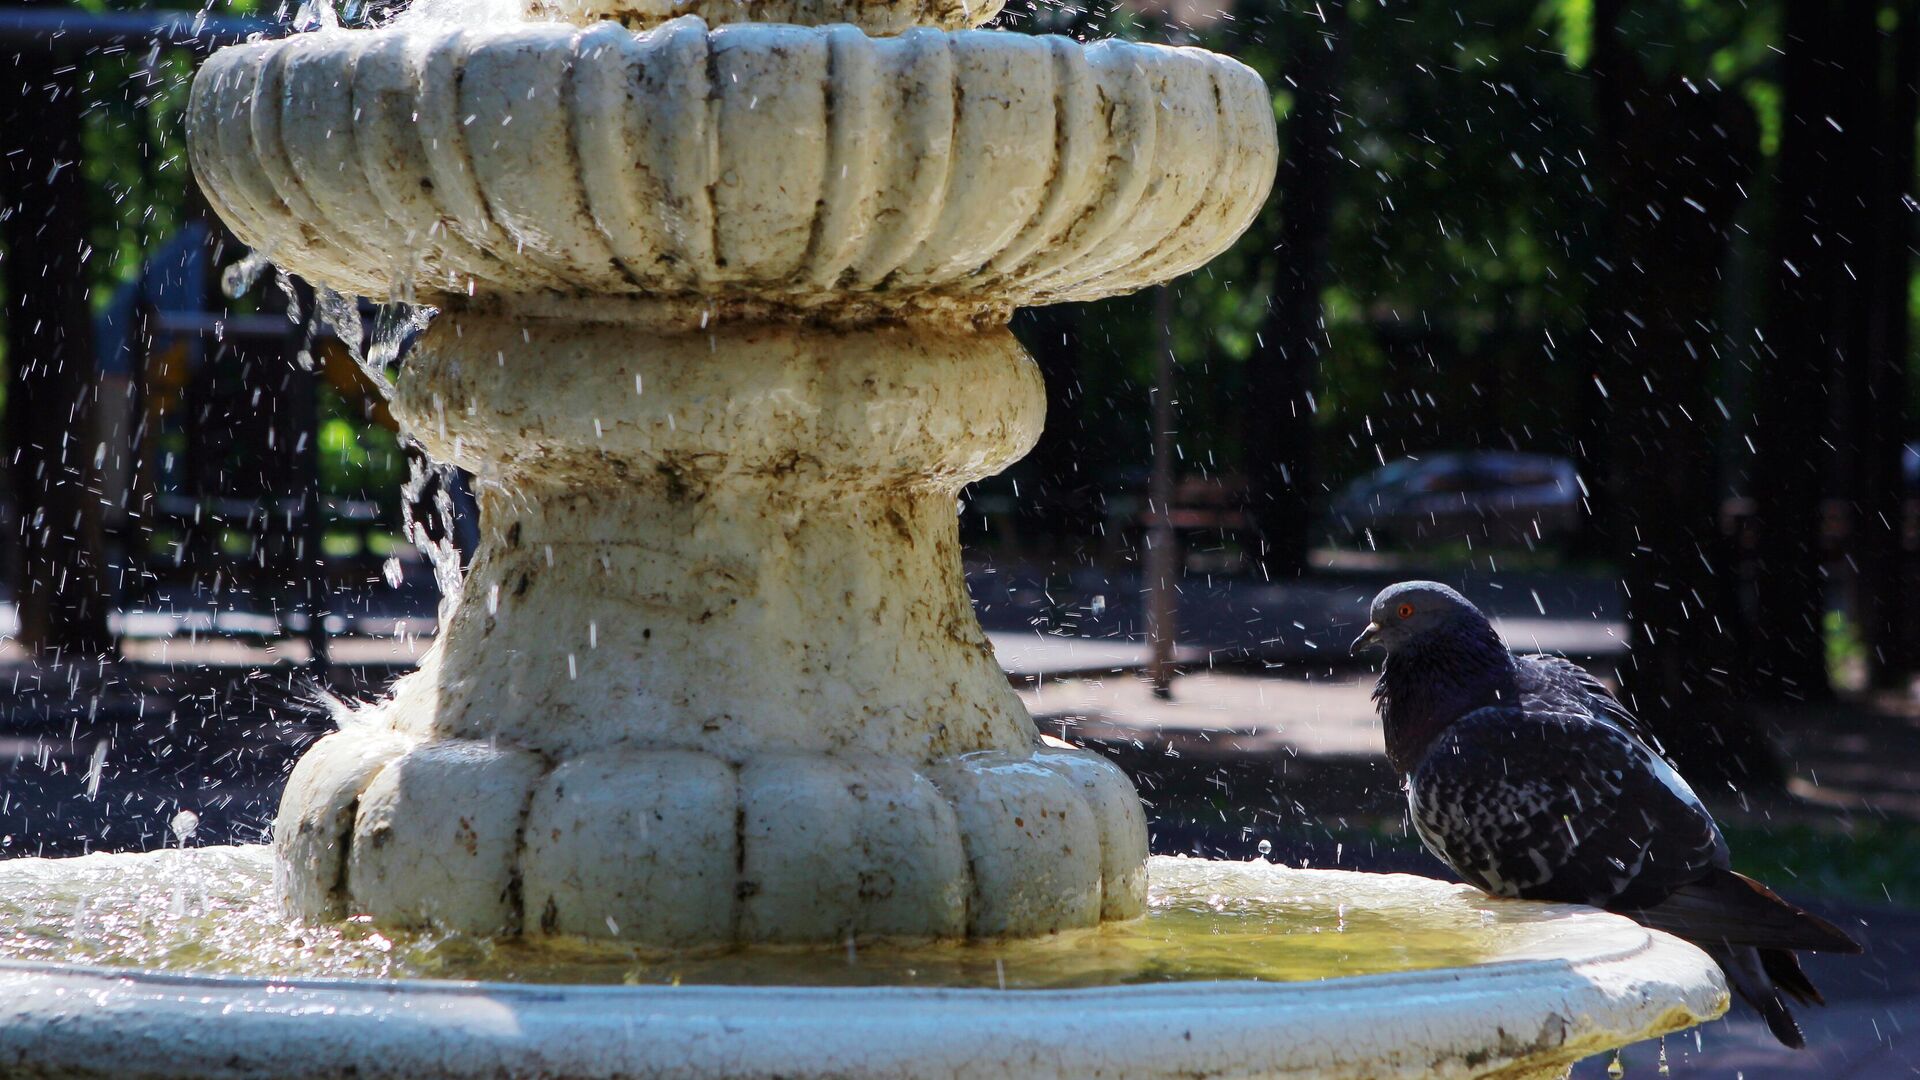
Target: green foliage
(1572,24)
(135,156)
(1846,652)
(1469,215)
(1874,861)
(357,459)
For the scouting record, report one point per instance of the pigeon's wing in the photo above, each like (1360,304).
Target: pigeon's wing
(1556,684)
(1559,806)
(1733,909)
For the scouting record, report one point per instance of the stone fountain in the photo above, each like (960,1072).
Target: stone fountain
(723,333)
(723,288)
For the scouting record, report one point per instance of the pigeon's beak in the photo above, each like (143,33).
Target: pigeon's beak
(1369,638)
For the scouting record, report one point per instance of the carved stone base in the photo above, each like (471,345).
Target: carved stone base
(713,675)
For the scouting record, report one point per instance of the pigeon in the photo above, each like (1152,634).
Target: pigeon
(1528,777)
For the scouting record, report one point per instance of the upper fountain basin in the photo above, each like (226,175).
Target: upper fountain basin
(873,16)
(804,168)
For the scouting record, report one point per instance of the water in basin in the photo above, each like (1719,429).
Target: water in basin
(211,911)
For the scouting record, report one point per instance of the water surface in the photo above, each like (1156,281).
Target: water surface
(211,910)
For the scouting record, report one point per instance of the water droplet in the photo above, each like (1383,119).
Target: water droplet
(96,766)
(1266,848)
(316,15)
(236,279)
(184,825)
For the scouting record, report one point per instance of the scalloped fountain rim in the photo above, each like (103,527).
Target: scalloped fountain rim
(967,170)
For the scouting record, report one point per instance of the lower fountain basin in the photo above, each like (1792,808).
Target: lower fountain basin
(177,964)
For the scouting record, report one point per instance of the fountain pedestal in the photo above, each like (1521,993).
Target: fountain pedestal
(722,334)
(714,674)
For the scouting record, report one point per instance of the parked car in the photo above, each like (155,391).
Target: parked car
(1485,497)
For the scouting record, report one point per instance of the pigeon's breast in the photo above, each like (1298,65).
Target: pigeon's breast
(1487,834)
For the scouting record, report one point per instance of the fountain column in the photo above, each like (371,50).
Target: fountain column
(722,333)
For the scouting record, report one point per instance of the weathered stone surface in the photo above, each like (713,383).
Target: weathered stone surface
(1122,823)
(634,844)
(719,591)
(812,168)
(872,16)
(722,335)
(436,837)
(313,831)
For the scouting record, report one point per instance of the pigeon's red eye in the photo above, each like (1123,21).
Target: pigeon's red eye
(1406,611)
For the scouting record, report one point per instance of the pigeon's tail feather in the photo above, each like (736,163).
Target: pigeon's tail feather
(1747,970)
(1725,907)
(1783,967)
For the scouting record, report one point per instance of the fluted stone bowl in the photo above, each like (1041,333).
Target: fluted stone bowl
(801,166)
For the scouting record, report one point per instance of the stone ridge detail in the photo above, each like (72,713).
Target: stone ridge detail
(673,847)
(803,167)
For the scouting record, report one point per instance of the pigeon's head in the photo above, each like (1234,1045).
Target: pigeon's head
(1413,609)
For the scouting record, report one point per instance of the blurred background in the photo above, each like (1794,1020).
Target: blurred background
(1599,311)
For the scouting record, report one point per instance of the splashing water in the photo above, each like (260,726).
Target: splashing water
(316,16)
(341,314)
(285,281)
(240,277)
(455,13)
(394,325)
(377,351)
(96,769)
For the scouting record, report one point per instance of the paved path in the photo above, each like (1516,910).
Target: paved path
(1305,622)
(1216,714)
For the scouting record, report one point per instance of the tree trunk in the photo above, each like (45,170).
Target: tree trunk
(51,389)
(1061,504)
(1673,162)
(1883,424)
(1283,370)
(1804,344)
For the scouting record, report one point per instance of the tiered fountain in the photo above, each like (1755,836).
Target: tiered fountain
(723,289)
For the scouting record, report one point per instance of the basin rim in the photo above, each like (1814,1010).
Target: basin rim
(1615,982)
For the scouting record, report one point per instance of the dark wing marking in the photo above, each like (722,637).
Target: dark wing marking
(1560,685)
(1559,806)
(1734,909)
